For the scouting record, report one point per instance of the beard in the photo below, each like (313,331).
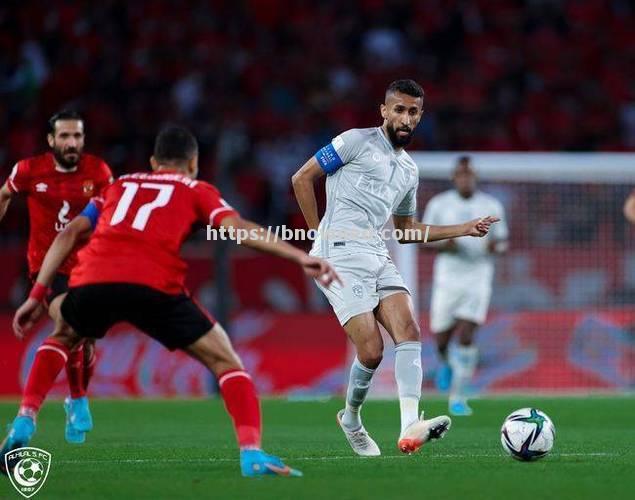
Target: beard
(67,158)
(396,140)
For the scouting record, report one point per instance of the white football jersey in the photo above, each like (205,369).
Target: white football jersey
(367,182)
(472,264)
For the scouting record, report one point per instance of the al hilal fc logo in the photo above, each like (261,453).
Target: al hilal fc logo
(31,469)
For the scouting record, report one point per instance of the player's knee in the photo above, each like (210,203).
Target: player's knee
(216,352)
(411,331)
(370,355)
(65,335)
(466,333)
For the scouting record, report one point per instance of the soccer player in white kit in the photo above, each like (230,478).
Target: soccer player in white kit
(369,178)
(462,281)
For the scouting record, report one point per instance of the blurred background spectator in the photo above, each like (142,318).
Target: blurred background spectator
(264,83)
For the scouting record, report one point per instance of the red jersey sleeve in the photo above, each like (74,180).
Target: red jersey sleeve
(212,208)
(105,178)
(99,200)
(19,181)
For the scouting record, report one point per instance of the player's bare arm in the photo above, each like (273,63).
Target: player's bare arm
(447,246)
(303,187)
(312,266)
(76,232)
(417,232)
(629,208)
(5,199)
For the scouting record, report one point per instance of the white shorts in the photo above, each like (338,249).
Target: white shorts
(451,303)
(368,278)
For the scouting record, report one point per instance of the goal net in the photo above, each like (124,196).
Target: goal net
(562,315)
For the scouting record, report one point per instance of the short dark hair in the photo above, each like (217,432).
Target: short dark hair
(65,114)
(175,144)
(407,86)
(463,159)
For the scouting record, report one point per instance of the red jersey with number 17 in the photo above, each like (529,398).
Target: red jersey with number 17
(54,197)
(144,219)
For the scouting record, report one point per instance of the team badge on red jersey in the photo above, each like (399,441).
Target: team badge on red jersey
(89,188)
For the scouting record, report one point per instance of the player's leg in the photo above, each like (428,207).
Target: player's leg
(50,359)
(78,417)
(443,376)
(214,350)
(363,331)
(353,304)
(471,311)
(463,360)
(442,323)
(90,360)
(395,313)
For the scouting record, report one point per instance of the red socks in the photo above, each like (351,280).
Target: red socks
(49,360)
(75,373)
(80,369)
(90,359)
(242,404)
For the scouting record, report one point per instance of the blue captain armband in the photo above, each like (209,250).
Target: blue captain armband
(328,159)
(92,213)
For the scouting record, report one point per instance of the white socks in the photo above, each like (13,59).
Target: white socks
(409,376)
(463,360)
(358,384)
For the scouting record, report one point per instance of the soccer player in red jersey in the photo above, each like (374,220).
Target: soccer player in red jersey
(131,271)
(57,185)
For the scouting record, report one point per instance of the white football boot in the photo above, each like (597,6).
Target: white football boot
(422,431)
(359,439)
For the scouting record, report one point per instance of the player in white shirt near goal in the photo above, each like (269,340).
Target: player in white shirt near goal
(462,281)
(369,179)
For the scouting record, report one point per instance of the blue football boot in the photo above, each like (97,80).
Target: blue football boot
(460,408)
(71,433)
(256,463)
(20,433)
(79,413)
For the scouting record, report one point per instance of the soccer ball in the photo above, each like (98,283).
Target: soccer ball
(30,470)
(528,434)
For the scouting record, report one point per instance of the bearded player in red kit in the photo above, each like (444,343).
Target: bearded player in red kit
(131,271)
(57,186)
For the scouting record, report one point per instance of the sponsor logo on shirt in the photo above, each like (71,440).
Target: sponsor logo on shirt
(41,187)
(62,218)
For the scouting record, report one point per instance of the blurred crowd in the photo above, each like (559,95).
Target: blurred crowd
(264,83)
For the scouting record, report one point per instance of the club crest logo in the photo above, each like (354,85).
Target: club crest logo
(30,469)
(358,291)
(88,188)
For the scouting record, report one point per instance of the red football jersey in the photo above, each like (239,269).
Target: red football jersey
(144,219)
(54,197)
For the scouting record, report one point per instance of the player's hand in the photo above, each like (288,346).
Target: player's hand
(320,270)
(480,227)
(26,316)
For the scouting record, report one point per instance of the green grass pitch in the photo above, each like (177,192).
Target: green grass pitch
(185,449)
